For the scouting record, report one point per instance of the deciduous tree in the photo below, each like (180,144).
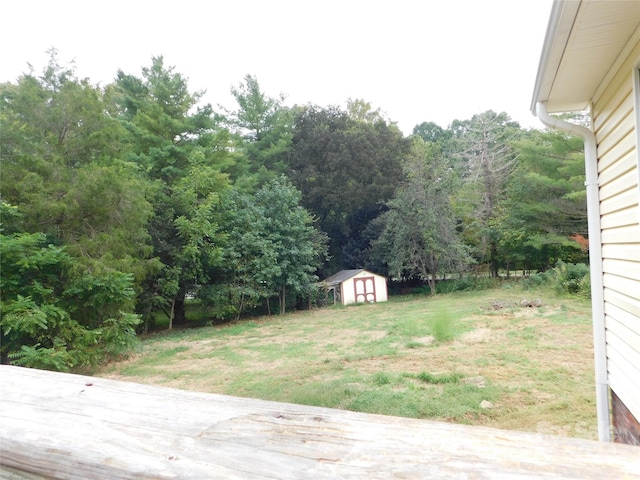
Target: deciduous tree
(346,169)
(272,249)
(419,234)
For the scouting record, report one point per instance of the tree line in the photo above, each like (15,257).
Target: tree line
(119,202)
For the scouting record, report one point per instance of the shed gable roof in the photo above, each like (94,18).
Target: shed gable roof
(341,276)
(583,41)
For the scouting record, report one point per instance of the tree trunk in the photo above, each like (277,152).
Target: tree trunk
(432,284)
(146,319)
(494,260)
(173,309)
(434,273)
(180,314)
(283,300)
(240,308)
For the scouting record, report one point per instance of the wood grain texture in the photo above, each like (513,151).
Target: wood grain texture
(70,426)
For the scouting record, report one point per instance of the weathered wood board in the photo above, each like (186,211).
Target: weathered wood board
(66,426)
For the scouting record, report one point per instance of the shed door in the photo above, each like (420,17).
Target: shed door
(365,289)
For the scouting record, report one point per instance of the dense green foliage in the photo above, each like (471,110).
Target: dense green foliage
(347,167)
(272,249)
(55,314)
(566,278)
(121,202)
(419,236)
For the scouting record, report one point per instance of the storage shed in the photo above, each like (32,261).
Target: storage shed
(355,286)
(591,61)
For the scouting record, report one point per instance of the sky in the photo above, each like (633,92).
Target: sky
(415,60)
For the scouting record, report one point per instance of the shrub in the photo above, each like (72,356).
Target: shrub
(584,287)
(466,284)
(570,278)
(535,280)
(53,314)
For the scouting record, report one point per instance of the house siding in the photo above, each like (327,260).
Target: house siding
(614,119)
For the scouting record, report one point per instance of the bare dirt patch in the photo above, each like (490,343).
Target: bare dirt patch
(480,335)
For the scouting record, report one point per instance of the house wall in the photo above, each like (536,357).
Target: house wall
(348,287)
(615,109)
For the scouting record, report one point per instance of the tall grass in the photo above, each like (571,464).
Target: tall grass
(443,325)
(431,378)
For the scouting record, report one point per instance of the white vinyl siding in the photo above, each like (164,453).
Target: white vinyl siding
(615,116)
(636,88)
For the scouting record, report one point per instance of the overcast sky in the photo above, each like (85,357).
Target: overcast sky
(416,60)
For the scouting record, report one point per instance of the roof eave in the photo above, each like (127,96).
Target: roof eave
(561,20)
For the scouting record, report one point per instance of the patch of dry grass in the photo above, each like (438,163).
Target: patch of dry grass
(532,365)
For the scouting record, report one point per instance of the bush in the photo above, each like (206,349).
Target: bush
(572,278)
(466,284)
(53,318)
(584,288)
(535,280)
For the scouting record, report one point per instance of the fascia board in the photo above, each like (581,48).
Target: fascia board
(561,22)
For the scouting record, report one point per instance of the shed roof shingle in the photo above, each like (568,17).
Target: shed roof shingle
(341,276)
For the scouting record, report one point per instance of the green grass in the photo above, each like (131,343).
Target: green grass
(385,393)
(416,356)
(438,379)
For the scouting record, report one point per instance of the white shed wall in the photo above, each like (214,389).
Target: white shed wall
(349,289)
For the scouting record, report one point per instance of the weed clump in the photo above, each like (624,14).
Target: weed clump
(437,379)
(443,326)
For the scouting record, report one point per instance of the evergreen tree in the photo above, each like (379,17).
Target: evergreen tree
(264,127)
(55,314)
(545,203)
(485,145)
(179,147)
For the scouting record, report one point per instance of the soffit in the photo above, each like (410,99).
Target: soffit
(584,39)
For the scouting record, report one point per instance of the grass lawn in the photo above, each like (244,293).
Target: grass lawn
(477,358)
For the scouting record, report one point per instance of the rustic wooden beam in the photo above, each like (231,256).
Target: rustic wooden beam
(64,426)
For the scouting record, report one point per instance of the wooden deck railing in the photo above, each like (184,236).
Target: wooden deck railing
(55,425)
